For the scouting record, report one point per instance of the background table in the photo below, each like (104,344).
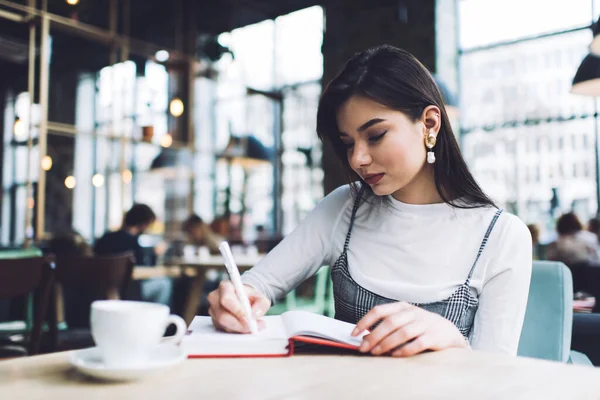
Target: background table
(195,268)
(454,374)
(201,265)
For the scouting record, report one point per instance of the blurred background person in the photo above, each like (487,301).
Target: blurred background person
(594,227)
(573,245)
(199,233)
(69,242)
(136,221)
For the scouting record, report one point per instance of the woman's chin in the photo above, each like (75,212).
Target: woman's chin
(381,190)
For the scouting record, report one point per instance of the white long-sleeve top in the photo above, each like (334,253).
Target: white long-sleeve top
(413,253)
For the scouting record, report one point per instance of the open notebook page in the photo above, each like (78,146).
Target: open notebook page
(303,323)
(205,339)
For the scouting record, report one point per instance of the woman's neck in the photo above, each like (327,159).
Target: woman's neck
(421,190)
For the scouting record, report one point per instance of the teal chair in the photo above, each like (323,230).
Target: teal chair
(330,307)
(316,304)
(20,326)
(548,321)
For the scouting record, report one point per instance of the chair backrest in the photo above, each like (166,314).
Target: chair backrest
(21,274)
(108,275)
(17,281)
(10,254)
(586,278)
(318,301)
(548,321)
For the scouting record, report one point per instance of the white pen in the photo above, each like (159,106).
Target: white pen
(234,275)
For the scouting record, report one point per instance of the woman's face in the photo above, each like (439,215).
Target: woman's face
(196,233)
(385,148)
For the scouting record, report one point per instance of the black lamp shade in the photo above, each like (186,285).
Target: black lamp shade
(246,150)
(166,158)
(172,163)
(587,79)
(595,45)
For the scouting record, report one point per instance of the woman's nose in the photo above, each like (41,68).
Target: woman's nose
(360,156)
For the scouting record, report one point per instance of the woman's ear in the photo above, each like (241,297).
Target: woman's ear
(432,120)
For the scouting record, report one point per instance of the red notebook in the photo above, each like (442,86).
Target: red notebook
(292,331)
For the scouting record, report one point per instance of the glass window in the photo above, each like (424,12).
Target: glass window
(542,110)
(282,58)
(122,131)
(479,28)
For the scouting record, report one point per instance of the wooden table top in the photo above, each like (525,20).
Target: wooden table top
(243,261)
(454,374)
(175,267)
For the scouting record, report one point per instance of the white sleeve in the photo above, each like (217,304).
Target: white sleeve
(303,252)
(504,294)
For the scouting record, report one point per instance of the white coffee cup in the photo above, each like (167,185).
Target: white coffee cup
(203,253)
(252,251)
(189,251)
(126,332)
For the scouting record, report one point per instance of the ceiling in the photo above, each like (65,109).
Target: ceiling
(160,22)
(158,18)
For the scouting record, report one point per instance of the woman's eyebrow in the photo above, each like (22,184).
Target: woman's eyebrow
(370,123)
(366,125)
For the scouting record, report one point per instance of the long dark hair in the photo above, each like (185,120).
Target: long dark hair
(396,79)
(568,224)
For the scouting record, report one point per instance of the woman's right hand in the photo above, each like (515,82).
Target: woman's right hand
(227,312)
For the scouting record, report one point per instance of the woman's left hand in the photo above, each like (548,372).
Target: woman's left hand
(406,330)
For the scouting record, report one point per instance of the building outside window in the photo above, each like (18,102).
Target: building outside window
(520,94)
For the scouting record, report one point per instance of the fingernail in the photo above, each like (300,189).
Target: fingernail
(376,350)
(354,332)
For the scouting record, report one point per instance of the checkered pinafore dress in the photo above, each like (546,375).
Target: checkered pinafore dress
(352,301)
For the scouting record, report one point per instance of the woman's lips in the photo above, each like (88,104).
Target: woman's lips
(373,179)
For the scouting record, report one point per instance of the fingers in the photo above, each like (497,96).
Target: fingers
(390,325)
(400,337)
(230,323)
(228,299)
(227,312)
(378,313)
(405,330)
(419,345)
(260,305)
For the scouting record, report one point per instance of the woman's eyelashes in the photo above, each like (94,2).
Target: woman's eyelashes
(372,140)
(377,137)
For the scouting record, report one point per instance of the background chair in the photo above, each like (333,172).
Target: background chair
(83,279)
(586,335)
(548,321)
(316,304)
(23,324)
(25,273)
(586,277)
(330,306)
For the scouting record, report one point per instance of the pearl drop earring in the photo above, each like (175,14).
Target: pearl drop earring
(430,141)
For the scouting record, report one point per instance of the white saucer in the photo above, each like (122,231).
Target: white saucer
(89,362)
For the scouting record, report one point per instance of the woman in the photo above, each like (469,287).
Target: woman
(573,245)
(199,233)
(414,243)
